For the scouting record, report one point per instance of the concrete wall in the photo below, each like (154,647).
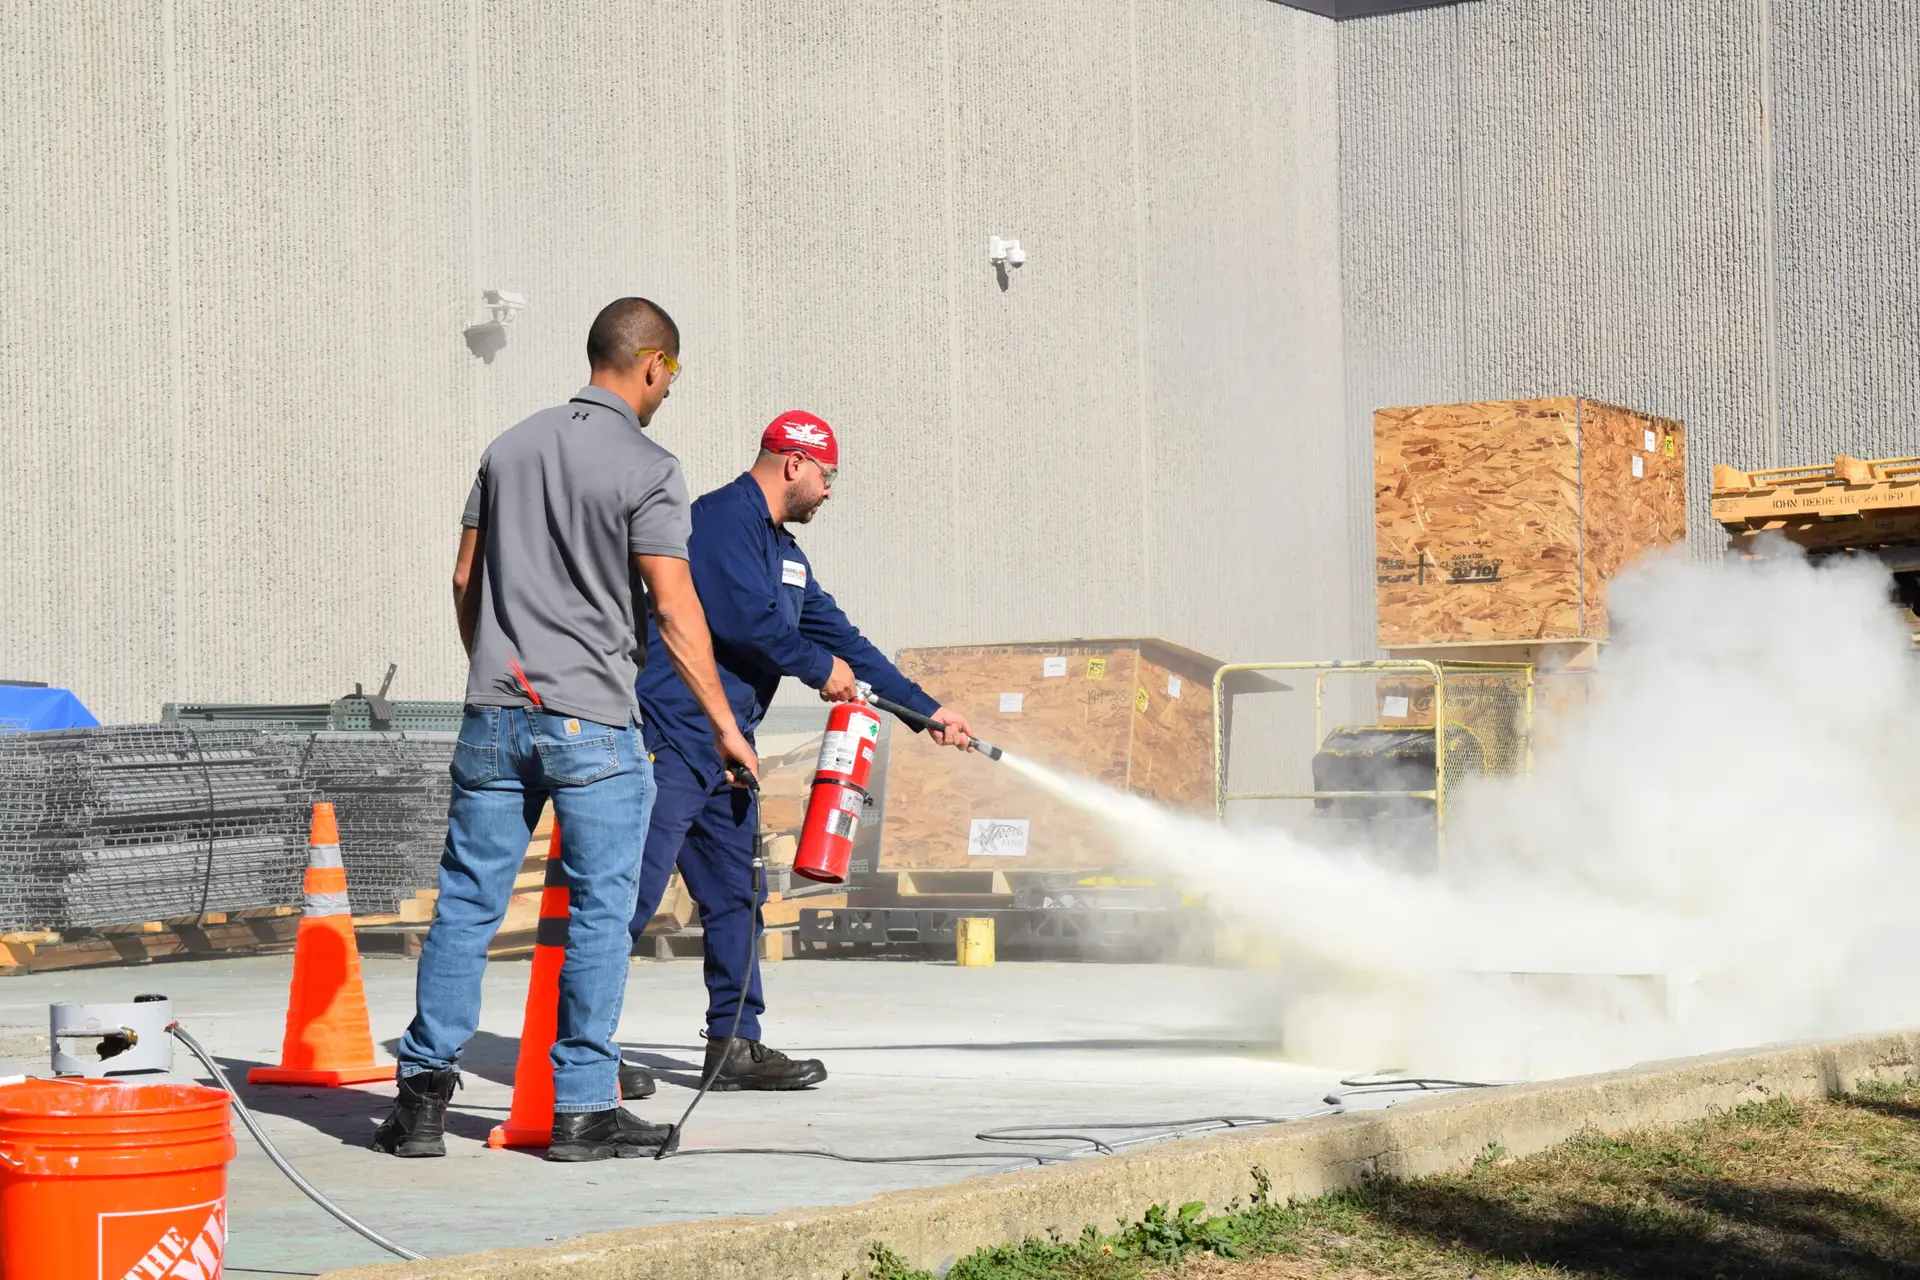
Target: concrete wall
(239,251)
(1710,215)
(238,254)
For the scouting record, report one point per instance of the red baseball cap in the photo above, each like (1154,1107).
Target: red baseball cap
(797,431)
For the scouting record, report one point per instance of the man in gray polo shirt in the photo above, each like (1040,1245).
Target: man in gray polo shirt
(572,509)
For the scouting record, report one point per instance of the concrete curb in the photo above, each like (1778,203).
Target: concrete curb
(932,1226)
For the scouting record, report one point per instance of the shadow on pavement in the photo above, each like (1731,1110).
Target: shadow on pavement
(349,1114)
(678,1070)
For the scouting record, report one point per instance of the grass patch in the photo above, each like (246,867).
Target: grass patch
(1779,1190)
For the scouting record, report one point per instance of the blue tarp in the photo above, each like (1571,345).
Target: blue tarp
(24,707)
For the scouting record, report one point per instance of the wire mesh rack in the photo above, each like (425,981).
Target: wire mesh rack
(389,791)
(120,824)
(125,823)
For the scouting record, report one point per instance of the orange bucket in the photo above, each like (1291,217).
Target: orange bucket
(111,1180)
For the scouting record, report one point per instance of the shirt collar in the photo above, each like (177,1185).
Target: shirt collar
(591,394)
(750,493)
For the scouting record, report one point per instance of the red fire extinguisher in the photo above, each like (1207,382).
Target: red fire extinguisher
(839,793)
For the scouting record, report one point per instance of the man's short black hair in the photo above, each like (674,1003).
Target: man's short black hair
(627,326)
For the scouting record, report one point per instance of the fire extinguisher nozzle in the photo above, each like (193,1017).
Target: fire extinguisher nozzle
(985,748)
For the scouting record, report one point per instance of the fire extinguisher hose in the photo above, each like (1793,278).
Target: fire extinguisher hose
(928,723)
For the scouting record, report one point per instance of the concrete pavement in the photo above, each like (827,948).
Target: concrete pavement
(922,1056)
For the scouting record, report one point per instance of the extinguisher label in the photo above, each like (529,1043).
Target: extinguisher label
(843,823)
(837,750)
(186,1243)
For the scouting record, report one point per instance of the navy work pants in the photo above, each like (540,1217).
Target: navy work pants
(708,831)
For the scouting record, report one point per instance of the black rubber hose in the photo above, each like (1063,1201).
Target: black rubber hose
(751,967)
(928,723)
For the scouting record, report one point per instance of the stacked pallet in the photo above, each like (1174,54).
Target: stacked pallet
(673,932)
(1851,504)
(1037,915)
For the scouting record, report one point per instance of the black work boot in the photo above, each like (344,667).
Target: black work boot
(418,1125)
(751,1065)
(606,1135)
(636,1082)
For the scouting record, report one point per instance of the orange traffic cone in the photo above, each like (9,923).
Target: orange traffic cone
(329,1038)
(530,1121)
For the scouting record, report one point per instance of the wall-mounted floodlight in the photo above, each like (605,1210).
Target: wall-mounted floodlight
(489,337)
(1004,253)
(504,305)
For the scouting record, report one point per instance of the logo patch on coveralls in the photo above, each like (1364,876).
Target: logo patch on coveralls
(793,573)
(573,728)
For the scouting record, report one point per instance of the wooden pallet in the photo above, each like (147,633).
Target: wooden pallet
(264,929)
(402,934)
(941,887)
(777,943)
(1788,497)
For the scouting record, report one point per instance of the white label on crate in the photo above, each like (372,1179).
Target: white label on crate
(1639,466)
(1050,667)
(1653,442)
(837,750)
(1011,703)
(997,838)
(842,823)
(1393,708)
(793,573)
(1173,686)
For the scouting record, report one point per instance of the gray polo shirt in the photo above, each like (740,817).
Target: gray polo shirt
(565,500)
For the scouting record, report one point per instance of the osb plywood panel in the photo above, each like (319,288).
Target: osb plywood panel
(1476,512)
(1079,722)
(1506,521)
(1633,495)
(1172,755)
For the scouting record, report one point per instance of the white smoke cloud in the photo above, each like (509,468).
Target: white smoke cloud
(1722,850)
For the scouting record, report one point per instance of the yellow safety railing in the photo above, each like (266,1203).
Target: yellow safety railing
(1437,672)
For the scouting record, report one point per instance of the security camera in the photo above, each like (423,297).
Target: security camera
(1016,256)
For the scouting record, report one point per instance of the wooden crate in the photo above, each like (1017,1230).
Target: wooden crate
(1134,714)
(1504,521)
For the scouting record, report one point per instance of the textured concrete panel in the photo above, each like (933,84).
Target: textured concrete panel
(323,226)
(1560,198)
(1847,228)
(1046,415)
(843,253)
(86,442)
(602,171)
(810,193)
(1249,476)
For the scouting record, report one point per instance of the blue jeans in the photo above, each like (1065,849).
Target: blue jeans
(708,830)
(508,761)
